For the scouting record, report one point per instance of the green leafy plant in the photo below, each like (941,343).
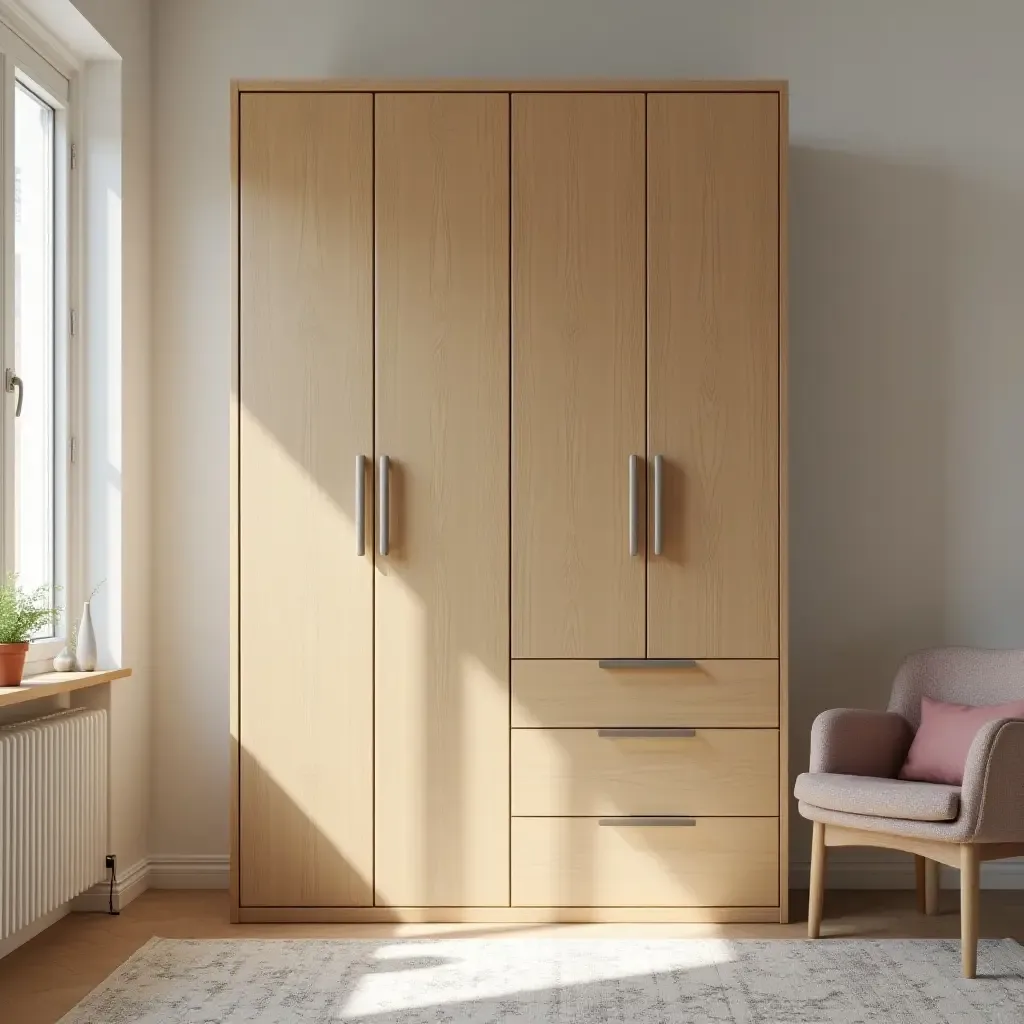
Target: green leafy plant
(22,613)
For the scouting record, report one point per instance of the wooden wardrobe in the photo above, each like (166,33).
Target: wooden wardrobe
(508,501)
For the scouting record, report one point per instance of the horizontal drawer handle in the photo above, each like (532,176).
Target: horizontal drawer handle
(647,663)
(613,734)
(658,822)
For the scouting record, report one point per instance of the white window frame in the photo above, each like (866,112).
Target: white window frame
(47,74)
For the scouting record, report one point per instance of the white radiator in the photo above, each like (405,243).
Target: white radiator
(53,813)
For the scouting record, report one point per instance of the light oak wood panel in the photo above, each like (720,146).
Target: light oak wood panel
(578,772)
(525,85)
(306,606)
(572,694)
(784,798)
(501,917)
(713,374)
(578,374)
(442,593)
(577,862)
(234,415)
(52,684)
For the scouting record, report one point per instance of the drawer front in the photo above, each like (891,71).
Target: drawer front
(577,862)
(727,694)
(608,772)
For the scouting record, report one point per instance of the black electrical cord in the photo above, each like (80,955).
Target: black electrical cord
(113,879)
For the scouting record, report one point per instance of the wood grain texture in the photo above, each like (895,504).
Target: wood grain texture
(572,694)
(507,85)
(718,862)
(500,917)
(234,414)
(816,896)
(931,886)
(306,337)
(52,684)
(713,348)
(442,594)
(578,373)
(969,909)
(577,772)
(786,789)
(933,849)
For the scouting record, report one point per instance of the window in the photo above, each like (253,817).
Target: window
(35,522)
(35,425)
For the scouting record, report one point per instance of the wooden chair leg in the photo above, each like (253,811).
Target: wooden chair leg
(919,880)
(816,899)
(931,886)
(969,886)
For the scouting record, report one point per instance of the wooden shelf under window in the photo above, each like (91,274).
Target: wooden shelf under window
(51,684)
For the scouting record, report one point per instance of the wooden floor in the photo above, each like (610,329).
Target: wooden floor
(46,977)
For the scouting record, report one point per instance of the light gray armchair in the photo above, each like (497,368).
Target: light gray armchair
(854,798)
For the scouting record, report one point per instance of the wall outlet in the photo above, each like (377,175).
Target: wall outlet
(111,862)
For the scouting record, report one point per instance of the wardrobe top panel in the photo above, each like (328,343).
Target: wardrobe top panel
(506,85)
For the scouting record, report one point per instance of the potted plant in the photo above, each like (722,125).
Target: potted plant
(21,615)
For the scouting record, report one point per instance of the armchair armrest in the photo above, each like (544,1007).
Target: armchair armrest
(851,741)
(992,798)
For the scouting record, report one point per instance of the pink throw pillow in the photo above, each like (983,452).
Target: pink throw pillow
(940,748)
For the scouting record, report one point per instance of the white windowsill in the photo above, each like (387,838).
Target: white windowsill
(41,654)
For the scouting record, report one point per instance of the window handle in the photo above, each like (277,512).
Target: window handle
(14,381)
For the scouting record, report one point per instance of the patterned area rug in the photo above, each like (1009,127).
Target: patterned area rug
(551,981)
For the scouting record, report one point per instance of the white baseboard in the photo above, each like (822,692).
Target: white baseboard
(130,884)
(171,871)
(858,870)
(201,871)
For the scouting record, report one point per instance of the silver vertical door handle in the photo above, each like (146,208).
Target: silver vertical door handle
(360,505)
(384,472)
(659,497)
(634,505)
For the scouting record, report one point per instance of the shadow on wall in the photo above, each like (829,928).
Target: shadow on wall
(898,410)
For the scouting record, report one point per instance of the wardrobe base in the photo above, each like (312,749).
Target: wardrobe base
(507,915)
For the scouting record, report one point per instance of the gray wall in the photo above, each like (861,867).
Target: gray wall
(907,283)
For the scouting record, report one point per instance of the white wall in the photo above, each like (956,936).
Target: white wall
(907,270)
(119,455)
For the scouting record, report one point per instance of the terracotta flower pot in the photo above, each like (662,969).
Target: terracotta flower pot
(12,663)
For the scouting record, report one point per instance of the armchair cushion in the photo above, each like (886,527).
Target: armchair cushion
(882,798)
(943,740)
(850,741)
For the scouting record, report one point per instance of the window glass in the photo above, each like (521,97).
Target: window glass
(34,468)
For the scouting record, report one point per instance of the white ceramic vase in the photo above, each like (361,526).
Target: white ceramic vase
(85,653)
(64,662)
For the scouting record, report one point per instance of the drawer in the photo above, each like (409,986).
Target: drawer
(578,862)
(736,694)
(608,772)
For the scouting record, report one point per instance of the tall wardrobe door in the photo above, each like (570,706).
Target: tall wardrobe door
(442,419)
(306,594)
(578,375)
(713,376)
